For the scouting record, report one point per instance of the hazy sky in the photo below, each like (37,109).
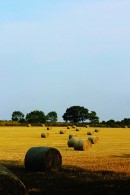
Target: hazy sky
(61,53)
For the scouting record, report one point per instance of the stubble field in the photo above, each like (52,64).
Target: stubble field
(103,169)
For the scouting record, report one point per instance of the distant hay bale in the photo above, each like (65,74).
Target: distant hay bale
(96,130)
(72,136)
(126,126)
(48,128)
(74,126)
(43,159)
(82,144)
(43,125)
(71,141)
(93,139)
(10,184)
(87,126)
(90,132)
(77,129)
(28,125)
(68,127)
(44,134)
(62,131)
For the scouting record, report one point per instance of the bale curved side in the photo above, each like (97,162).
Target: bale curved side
(44,135)
(72,136)
(71,141)
(10,184)
(82,144)
(93,139)
(43,159)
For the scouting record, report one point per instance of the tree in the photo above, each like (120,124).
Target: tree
(51,116)
(76,114)
(36,117)
(93,117)
(17,116)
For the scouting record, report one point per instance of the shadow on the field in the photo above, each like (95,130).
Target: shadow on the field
(71,180)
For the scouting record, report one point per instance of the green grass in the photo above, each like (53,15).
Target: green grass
(103,169)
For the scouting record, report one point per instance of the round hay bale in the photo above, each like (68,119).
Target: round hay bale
(87,126)
(82,144)
(62,131)
(28,125)
(90,132)
(74,126)
(77,129)
(43,159)
(10,184)
(72,136)
(48,128)
(44,135)
(71,141)
(96,130)
(43,125)
(68,127)
(93,139)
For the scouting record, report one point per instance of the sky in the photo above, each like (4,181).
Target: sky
(61,53)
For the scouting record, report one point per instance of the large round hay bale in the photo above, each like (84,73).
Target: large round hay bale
(82,144)
(93,139)
(87,126)
(10,184)
(43,159)
(44,134)
(71,141)
(72,136)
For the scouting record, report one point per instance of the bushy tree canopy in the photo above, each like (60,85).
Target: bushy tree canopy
(51,116)
(17,116)
(36,116)
(76,114)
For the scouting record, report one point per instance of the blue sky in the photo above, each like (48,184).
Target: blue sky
(60,53)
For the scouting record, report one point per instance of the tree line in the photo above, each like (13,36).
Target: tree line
(73,114)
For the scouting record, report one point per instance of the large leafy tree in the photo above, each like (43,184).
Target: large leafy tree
(17,116)
(35,116)
(51,116)
(93,117)
(76,114)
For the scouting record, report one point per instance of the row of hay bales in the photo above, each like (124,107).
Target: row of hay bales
(83,144)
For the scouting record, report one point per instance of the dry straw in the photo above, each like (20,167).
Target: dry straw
(10,184)
(71,141)
(44,134)
(93,139)
(82,144)
(43,159)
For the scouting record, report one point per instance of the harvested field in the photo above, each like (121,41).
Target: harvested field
(104,168)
